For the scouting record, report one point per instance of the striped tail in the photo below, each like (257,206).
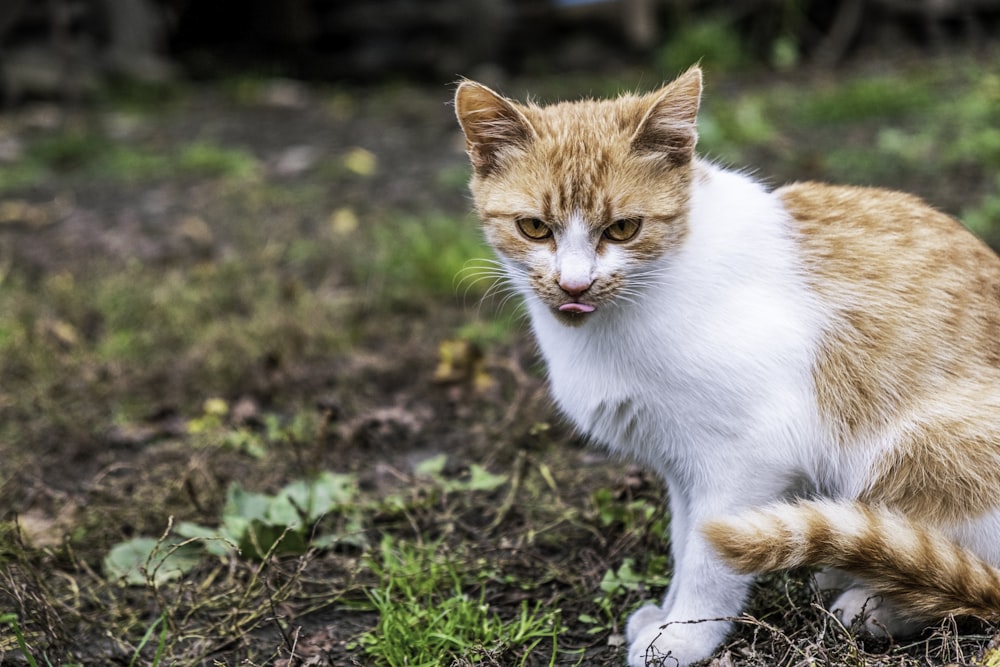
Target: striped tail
(919,568)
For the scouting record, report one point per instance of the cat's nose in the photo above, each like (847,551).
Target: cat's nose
(575,286)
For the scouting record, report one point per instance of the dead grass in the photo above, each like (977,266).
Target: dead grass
(312,302)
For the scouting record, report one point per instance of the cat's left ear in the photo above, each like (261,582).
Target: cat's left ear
(493,125)
(669,128)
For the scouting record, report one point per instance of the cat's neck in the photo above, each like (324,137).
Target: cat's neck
(729,318)
(738,236)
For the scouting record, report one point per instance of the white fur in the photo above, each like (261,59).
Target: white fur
(574,259)
(705,374)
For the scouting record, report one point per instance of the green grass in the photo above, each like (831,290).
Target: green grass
(430,613)
(420,257)
(433,560)
(12,622)
(211,322)
(883,98)
(712,41)
(88,152)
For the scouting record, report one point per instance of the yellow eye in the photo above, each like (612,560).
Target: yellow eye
(620,231)
(534,229)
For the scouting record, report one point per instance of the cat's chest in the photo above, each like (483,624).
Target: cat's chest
(685,372)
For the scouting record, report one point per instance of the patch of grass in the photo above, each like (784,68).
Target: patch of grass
(866,98)
(203,158)
(138,336)
(712,41)
(21,175)
(423,257)
(430,614)
(726,129)
(84,151)
(12,622)
(983,218)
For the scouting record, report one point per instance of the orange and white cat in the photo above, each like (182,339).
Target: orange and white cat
(814,370)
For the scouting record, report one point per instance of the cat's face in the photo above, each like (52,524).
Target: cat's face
(582,199)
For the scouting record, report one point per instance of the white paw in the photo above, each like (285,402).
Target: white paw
(872,615)
(832,579)
(642,618)
(675,645)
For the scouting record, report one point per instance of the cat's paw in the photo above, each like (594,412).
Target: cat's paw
(872,615)
(668,645)
(642,618)
(833,580)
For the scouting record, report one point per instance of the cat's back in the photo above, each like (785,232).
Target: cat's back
(858,229)
(914,297)
(891,249)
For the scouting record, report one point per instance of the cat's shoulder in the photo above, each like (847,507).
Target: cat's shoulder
(825,209)
(877,236)
(867,221)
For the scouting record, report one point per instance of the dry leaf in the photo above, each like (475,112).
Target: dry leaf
(360,161)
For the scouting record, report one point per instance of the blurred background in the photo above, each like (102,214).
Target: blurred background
(70,47)
(244,303)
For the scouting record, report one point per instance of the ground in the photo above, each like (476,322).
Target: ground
(256,407)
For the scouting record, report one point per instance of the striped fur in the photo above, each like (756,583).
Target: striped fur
(919,568)
(752,346)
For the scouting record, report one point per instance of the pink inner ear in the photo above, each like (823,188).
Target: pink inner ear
(576,308)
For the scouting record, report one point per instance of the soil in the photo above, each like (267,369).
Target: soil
(377,403)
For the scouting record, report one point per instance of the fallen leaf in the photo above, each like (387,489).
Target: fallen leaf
(61,332)
(216,407)
(343,221)
(360,161)
(21,212)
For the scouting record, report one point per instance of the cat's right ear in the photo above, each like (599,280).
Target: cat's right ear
(493,125)
(668,130)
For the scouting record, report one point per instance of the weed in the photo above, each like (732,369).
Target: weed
(429,614)
(11,620)
(984,218)
(712,41)
(616,586)
(160,646)
(883,98)
(422,256)
(207,159)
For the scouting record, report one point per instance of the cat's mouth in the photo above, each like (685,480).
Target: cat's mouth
(578,308)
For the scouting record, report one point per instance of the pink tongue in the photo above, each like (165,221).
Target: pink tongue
(576,308)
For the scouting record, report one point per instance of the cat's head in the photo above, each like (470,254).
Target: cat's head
(582,199)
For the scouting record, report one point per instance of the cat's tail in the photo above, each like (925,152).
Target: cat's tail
(919,568)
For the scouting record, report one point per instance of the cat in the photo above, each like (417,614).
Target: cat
(814,371)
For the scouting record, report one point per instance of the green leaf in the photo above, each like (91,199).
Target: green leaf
(483,480)
(210,539)
(240,509)
(262,538)
(432,467)
(317,497)
(143,559)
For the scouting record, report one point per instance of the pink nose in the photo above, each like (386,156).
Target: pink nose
(575,286)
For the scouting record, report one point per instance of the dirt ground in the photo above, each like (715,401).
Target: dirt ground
(101,448)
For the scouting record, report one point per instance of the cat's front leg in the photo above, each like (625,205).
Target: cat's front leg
(704,589)
(680,526)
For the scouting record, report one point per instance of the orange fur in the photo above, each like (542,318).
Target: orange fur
(904,365)
(921,569)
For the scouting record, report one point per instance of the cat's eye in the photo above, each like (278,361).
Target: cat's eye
(534,229)
(623,230)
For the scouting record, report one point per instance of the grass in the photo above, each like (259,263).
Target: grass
(12,622)
(303,340)
(428,614)
(88,153)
